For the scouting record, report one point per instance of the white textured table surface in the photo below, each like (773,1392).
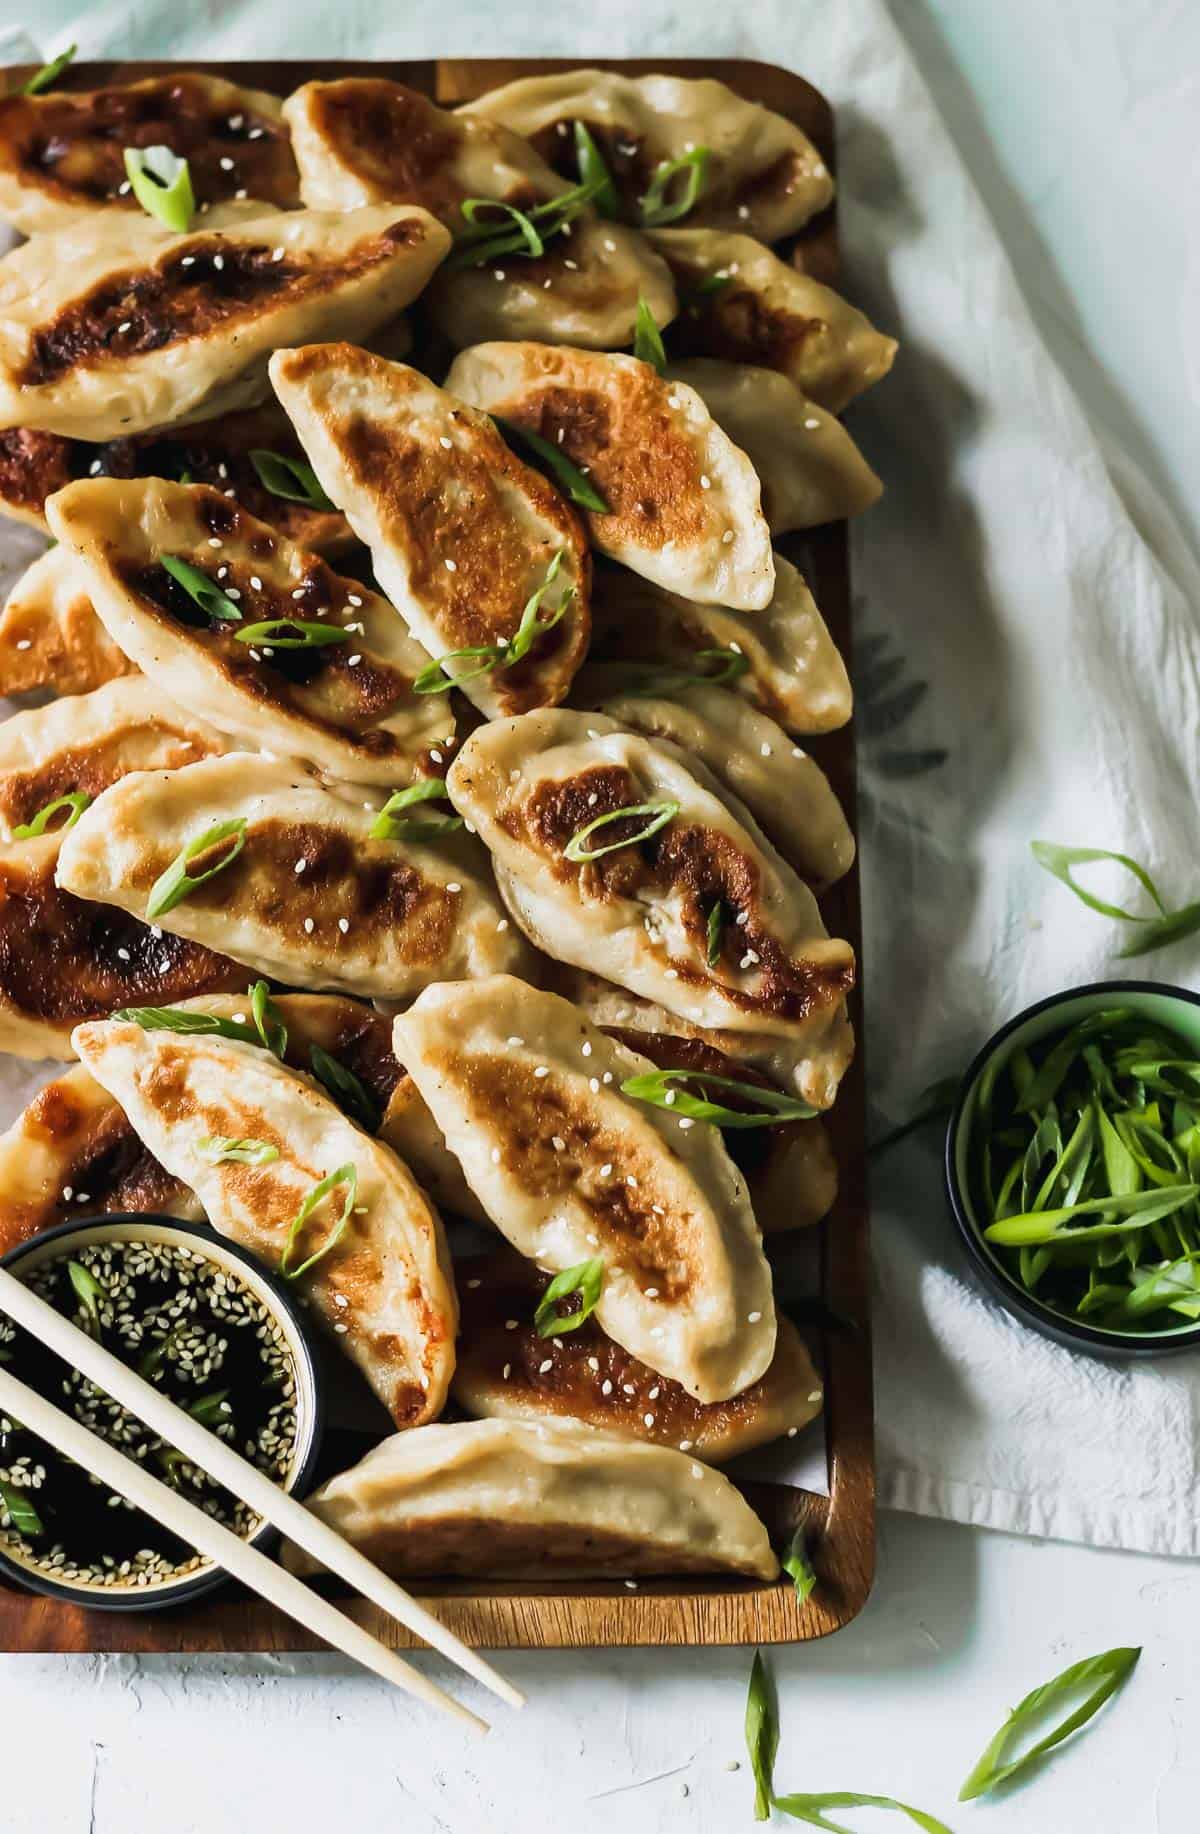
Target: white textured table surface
(1078,121)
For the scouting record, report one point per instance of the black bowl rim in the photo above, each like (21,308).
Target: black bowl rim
(1054,1324)
(185,1591)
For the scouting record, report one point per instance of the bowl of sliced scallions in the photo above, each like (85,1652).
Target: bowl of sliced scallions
(1073,1167)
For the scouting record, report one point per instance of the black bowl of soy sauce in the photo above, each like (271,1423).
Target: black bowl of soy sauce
(210,1328)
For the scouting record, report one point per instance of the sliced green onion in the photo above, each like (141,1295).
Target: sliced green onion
(436,678)
(716,920)
(171,1019)
(573,482)
(762,1736)
(1103,1675)
(23,1517)
(89,1293)
(661,813)
(586,1281)
(348,1090)
(309,635)
(529,628)
(220,1149)
(177,883)
(212,1409)
(268,1020)
(391,824)
(162,185)
(1137,1211)
(345,1174)
(509,218)
(291,478)
(657,207)
(48,75)
(647,338)
(523,233)
(593,171)
(211,600)
(798,1566)
(76,800)
(729,665)
(811,1808)
(656,1088)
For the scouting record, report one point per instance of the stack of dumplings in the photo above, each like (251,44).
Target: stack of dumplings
(407,776)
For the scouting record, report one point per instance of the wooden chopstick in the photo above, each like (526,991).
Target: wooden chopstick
(210,1537)
(243,1480)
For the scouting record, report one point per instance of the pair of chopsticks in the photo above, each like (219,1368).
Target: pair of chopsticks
(210,1538)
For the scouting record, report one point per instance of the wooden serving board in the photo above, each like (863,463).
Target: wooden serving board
(841,1526)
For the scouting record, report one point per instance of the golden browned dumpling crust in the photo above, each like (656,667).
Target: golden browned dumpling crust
(61,154)
(507,1370)
(50,636)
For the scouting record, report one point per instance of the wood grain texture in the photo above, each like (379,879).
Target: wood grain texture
(840,1527)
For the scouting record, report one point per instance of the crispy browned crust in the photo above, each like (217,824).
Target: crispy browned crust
(482,599)
(34,465)
(502,1368)
(64,959)
(691,863)
(93,766)
(69,144)
(628,441)
(104,1166)
(60,645)
(190,291)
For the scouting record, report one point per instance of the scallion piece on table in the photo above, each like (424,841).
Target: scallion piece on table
(75,800)
(162,185)
(1097,1678)
(177,882)
(659,813)
(1152,932)
(585,1283)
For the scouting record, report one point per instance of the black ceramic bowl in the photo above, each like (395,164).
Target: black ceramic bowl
(309,1406)
(1171,1006)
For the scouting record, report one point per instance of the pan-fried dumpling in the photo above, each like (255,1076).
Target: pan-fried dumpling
(462,534)
(810,468)
(217,452)
(368,1249)
(345,704)
(527,1094)
(783,1202)
(505,1370)
(61,154)
(639,910)
(63,959)
(81,744)
(507,1500)
(795,670)
(763,176)
(683,500)
(790,1171)
(111,328)
(785,790)
(743,303)
(364,140)
(50,636)
(311,898)
(72,1154)
(583,291)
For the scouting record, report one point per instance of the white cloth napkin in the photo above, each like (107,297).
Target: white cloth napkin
(1028,666)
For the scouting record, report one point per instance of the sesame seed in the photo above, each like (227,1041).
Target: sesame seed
(792,1431)
(503,924)
(454,886)
(744,212)
(514,1041)
(547,1365)
(256,582)
(586,1049)
(648,1419)
(727,537)
(765,749)
(510,1324)
(812,424)
(218,262)
(447,443)
(705,481)
(685,1445)
(606,1388)
(344,925)
(651,1292)
(309,926)
(628,1388)
(631,1584)
(499,273)
(507,1371)
(299,866)
(594,1362)
(606,1170)
(752,1318)
(495,1155)
(558,1143)
(352,662)
(451,565)
(25,643)
(226,164)
(213,541)
(684,1121)
(542,1070)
